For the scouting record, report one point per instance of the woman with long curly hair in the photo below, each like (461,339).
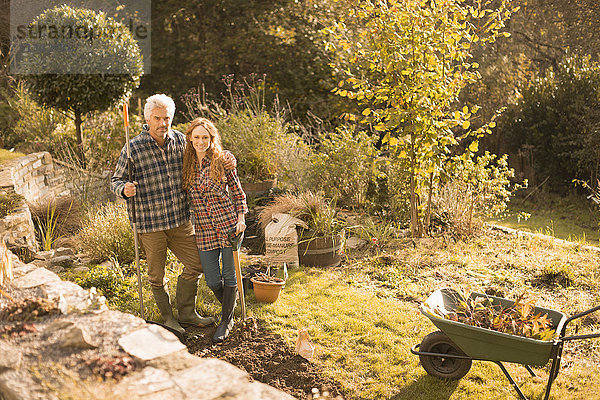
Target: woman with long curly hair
(216,215)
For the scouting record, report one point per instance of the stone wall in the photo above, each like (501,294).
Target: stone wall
(35,177)
(17,230)
(38,180)
(69,353)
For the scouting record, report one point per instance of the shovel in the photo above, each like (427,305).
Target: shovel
(236,244)
(179,335)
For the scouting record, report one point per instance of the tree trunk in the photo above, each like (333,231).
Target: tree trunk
(429,201)
(414,216)
(79,136)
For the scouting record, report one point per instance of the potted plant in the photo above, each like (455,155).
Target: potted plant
(322,242)
(266,287)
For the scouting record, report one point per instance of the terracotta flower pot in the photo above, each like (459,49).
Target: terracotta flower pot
(267,292)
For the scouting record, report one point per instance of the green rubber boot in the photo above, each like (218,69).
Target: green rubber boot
(186,305)
(164,306)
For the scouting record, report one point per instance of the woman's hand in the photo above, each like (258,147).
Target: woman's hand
(241,224)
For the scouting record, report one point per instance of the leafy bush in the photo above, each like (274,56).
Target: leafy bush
(33,126)
(345,166)
(98,73)
(557,118)
(476,188)
(106,233)
(254,140)
(9,201)
(112,286)
(393,193)
(261,140)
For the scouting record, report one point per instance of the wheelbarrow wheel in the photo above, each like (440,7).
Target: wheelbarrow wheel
(446,368)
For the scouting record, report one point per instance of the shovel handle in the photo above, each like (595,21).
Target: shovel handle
(236,243)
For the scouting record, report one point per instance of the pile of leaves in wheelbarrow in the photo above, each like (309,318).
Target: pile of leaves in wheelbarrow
(518,319)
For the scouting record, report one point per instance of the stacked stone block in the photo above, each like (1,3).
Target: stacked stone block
(36,178)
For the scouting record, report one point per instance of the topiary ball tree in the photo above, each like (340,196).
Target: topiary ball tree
(79,61)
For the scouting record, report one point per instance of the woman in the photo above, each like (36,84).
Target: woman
(216,215)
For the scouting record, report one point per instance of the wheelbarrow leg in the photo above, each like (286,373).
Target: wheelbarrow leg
(531,372)
(511,380)
(554,370)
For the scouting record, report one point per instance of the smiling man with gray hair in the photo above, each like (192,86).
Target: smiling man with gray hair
(162,209)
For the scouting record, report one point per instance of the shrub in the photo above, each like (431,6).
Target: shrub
(253,140)
(9,201)
(112,286)
(476,188)
(93,75)
(261,140)
(557,118)
(106,233)
(393,193)
(33,125)
(262,144)
(345,166)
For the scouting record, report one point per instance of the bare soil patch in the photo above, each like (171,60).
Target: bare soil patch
(266,357)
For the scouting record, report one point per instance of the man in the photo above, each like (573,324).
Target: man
(162,209)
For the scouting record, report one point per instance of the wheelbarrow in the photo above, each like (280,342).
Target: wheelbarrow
(448,353)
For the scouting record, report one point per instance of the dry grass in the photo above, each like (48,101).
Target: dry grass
(284,204)
(107,233)
(312,208)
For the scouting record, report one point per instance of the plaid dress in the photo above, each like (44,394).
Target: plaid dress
(160,201)
(214,211)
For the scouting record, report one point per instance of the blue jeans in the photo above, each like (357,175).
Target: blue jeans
(212,269)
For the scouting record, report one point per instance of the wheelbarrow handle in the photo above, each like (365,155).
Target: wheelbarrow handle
(574,317)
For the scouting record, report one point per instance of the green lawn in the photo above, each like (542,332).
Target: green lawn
(363,340)
(571,218)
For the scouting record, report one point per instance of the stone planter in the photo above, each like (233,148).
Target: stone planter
(324,251)
(267,292)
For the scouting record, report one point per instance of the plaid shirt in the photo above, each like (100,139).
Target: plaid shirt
(215,213)
(160,201)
